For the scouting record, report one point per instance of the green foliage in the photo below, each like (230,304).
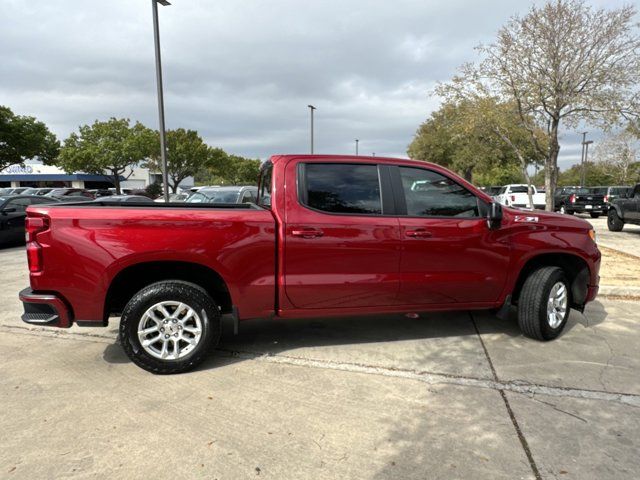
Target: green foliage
(595,175)
(468,136)
(225,169)
(107,148)
(23,138)
(154,190)
(187,153)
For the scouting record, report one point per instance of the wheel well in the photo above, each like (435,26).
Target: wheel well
(575,268)
(132,279)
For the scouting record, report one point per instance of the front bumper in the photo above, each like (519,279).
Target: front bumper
(45,309)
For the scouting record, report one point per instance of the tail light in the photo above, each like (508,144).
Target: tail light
(572,198)
(34,226)
(606,199)
(513,198)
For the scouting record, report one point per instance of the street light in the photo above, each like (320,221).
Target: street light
(163,140)
(357,146)
(582,160)
(311,108)
(586,155)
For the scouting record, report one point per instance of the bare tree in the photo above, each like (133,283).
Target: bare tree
(562,64)
(619,158)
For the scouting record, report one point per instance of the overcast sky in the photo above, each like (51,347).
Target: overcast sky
(243,72)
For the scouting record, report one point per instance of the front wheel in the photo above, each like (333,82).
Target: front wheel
(544,304)
(614,222)
(169,327)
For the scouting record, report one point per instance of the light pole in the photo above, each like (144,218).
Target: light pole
(311,108)
(357,146)
(163,140)
(586,155)
(582,160)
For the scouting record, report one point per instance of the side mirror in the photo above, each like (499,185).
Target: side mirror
(9,210)
(494,217)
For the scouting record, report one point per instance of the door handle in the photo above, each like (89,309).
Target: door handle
(418,233)
(307,233)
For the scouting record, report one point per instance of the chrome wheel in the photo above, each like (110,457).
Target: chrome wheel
(169,330)
(557,305)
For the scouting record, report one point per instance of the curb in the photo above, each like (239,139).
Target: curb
(619,291)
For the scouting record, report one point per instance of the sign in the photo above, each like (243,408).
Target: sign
(17,169)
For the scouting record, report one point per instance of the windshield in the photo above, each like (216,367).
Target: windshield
(213,196)
(5,191)
(30,191)
(57,191)
(519,189)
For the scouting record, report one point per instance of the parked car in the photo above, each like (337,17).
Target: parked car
(13,211)
(516,195)
(174,198)
(37,191)
(339,236)
(239,194)
(572,200)
(624,209)
(5,192)
(13,191)
(612,192)
(63,193)
(125,198)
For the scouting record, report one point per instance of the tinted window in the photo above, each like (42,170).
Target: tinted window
(429,194)
(342,188)
(519,189)
(20,204)
(264,194)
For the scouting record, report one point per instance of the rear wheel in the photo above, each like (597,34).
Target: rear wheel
(169,327)
(594,215)
(543,307)
(614,222)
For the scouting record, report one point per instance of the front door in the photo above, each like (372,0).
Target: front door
(341,250)
(449,255)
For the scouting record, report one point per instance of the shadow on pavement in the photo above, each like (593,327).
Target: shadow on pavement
(277,336)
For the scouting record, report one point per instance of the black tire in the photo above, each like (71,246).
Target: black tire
(191,295)
(532,304)
(594,215)
(614,222)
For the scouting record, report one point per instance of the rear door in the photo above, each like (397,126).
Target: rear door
(449,255)
(341,240)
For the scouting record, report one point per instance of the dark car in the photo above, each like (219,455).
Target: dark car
(624,209)
(59,193)
(125,198)
(12,215)
(579,200)
(612,192)
(236,194)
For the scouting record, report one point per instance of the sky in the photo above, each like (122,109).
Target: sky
(242,73)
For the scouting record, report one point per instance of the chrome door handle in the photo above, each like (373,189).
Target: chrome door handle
(307,233)
(419,233)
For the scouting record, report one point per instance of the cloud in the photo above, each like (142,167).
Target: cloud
(242,73)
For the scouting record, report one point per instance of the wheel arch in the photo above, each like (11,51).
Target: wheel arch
(575,268)
(131,279)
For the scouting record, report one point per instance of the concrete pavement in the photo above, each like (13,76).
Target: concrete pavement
(451,395)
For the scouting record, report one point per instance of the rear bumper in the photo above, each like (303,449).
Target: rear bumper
(584,209)
(45,309)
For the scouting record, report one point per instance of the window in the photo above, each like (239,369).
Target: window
(264,192)
(20,204)
(248,197)
(429,194)
(342,188)
(519,189)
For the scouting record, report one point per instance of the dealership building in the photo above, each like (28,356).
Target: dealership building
(38,175)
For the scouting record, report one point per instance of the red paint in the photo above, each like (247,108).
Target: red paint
(296,262)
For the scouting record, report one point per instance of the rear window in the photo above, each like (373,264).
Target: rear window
(519,189)
(341,188)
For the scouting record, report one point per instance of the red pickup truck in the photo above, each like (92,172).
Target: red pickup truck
(327,236)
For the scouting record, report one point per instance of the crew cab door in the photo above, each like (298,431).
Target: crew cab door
(449,255)
(341,250)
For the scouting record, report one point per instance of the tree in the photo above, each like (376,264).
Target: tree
(477,137)
(187,153)
(107,148)
(595,175)
(228,169)
(618,157)
(562,64)
(23,138)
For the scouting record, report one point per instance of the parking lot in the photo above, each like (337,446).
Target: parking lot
(451,395)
